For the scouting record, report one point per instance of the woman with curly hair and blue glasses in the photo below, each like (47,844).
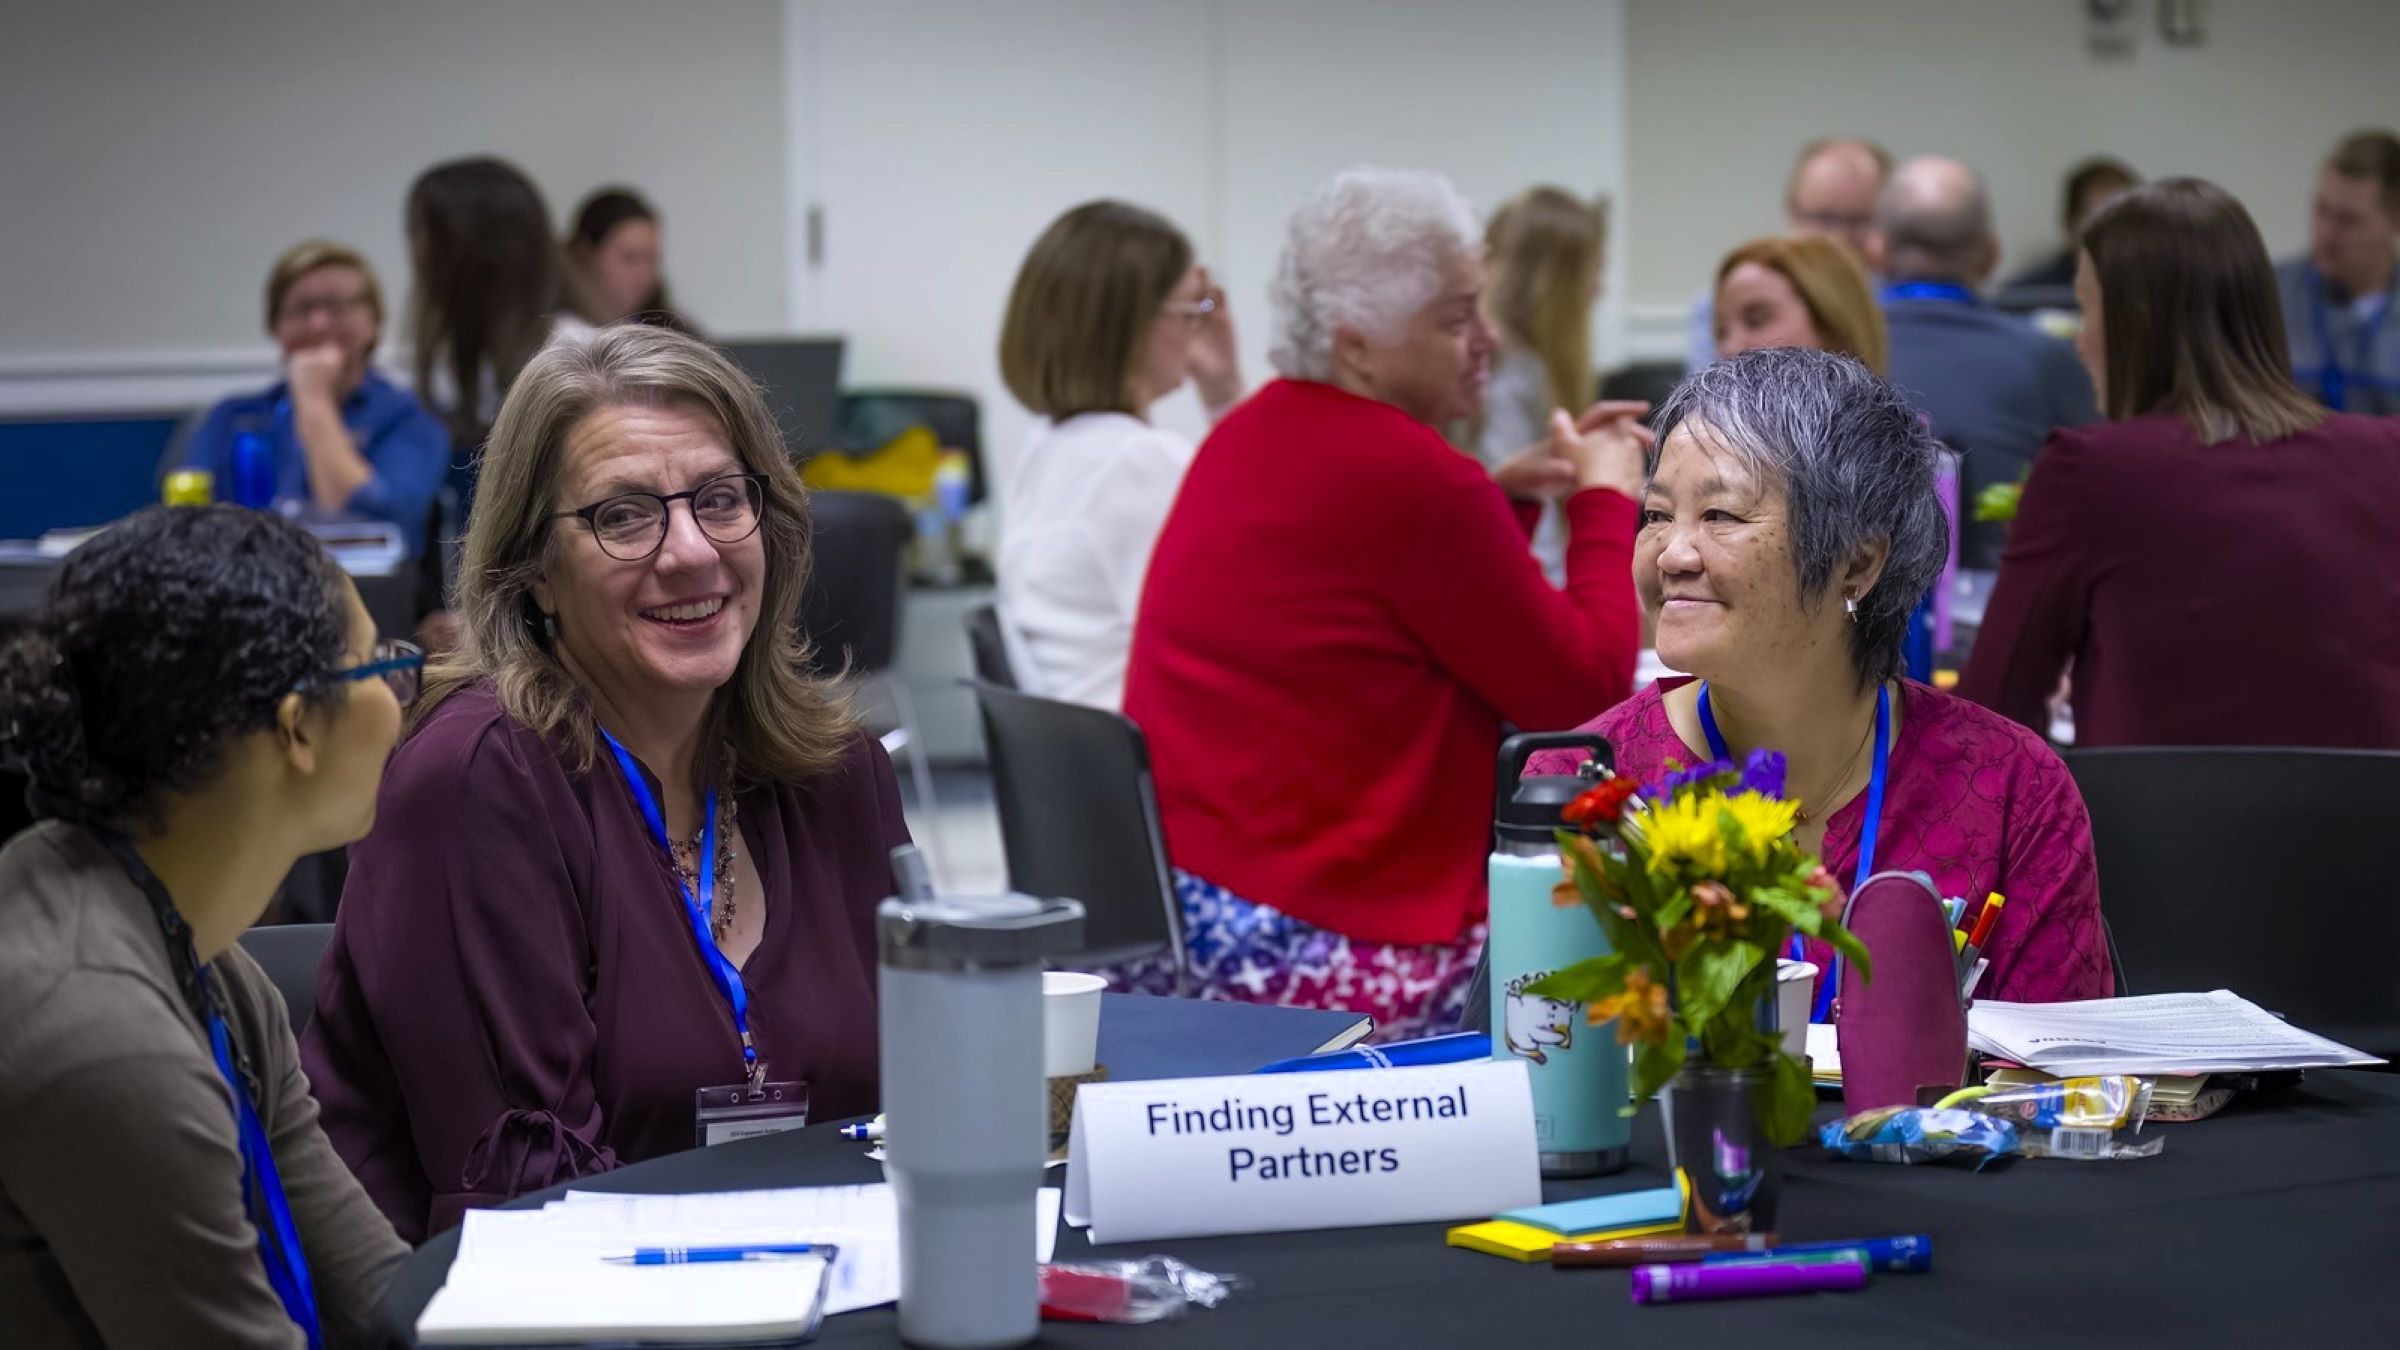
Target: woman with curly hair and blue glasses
(202,703)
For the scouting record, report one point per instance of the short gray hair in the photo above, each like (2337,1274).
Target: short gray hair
(1364,252)
(1856,465)
(1936,220)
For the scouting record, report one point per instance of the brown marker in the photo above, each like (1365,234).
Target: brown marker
(1664,1249)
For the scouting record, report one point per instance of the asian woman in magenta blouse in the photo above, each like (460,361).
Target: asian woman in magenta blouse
(518,992)
(1788,529)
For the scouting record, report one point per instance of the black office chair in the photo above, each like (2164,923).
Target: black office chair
(1079,820)
(1649,381)
(2262,871)
(851,610)
(992,665)
(290,953)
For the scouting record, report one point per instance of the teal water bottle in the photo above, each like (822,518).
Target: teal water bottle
(1578,1070)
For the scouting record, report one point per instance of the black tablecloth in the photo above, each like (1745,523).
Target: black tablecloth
(2276,1223)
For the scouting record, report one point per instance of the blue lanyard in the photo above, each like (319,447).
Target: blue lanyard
(279,1247)
(727,975)
(1929,290)
(2332,379)
(1868,829)
(262,1189)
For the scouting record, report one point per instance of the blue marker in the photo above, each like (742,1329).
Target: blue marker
(1910,1254)
(693,1256)
(866,1131)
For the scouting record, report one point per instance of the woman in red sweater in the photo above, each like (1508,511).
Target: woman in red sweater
(1341,613)
(2220,535)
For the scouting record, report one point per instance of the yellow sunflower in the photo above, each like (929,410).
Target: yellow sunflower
(1764,820)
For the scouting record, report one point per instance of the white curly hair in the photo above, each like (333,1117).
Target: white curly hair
(1365,252)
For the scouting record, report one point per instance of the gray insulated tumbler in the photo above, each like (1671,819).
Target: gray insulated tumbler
(966,1116)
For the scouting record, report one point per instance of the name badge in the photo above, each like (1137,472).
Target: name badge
(743,1111)
(1193,1157)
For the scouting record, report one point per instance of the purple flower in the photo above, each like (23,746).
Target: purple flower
(1762,773)
(1698,775)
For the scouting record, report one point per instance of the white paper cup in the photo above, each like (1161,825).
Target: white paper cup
(1070,1022)
(1795,986)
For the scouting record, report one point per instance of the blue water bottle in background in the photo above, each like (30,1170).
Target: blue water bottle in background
(253,472)
(1578,1070)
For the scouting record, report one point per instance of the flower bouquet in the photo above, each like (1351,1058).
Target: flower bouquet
(1698,884)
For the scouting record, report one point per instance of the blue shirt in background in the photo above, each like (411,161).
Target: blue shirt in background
(405,446)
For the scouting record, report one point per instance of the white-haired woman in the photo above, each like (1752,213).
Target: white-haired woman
(1342,612)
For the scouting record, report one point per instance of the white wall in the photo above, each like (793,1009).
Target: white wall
(1723,91)
(156,156)
(944,135)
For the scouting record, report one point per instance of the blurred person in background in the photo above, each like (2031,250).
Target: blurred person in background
(1993,385)
(613,251)
(1832,191)
(1800,290)
(1544,253)
(1342,611)
(332,436)
(2090,185)
(2337,301)
(2218,561)
(1108,315)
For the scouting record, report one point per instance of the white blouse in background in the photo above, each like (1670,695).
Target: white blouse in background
(1080,510)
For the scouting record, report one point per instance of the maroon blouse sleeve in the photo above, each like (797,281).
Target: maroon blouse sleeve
(461,962)
(2035,620)
(2050,946)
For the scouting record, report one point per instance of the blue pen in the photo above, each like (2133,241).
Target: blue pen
(693,1256)
(1911,1254)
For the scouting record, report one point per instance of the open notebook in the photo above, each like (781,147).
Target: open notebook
(543,1277)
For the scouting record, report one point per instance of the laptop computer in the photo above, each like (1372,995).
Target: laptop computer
(803,380)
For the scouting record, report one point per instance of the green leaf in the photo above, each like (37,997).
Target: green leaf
(1847,943)
(1708,975)
(1795,910)
(1673,912)
(1584,982)
(1789,1102)
(1998,502)
(1653,1065)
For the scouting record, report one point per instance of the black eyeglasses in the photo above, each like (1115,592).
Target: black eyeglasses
(632,526)
(398,664)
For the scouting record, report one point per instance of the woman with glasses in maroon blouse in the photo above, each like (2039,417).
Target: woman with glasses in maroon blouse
(629,854)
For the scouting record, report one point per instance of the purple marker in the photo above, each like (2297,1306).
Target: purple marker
(1693,1284)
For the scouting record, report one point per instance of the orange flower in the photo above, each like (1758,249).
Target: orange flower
(1830,908)
(1717,911)
(1605,802)
(1640,1011)
(1584,852)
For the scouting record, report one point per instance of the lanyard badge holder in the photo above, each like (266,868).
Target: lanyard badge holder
(756,1105)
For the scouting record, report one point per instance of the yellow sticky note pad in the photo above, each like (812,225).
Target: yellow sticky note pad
(1524,1242)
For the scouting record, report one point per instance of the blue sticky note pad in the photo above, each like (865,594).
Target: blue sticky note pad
(1600,1213)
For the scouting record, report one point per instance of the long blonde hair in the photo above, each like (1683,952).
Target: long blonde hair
(1544,247)
(782,723)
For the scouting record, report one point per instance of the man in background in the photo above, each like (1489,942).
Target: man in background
(1832,191)
(2092,184)
(2337,301)
(1991,385)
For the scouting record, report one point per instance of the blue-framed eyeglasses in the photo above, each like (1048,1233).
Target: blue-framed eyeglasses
(398,664)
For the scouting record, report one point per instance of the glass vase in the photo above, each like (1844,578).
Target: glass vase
(1720,1152)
